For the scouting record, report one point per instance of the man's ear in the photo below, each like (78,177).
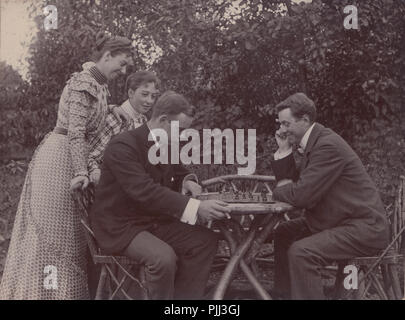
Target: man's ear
(164,118)
(306,118)
(130,92)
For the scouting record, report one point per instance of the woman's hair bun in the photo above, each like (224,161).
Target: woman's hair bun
(101,39)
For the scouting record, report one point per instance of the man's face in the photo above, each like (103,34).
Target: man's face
(143,98)
(292,127)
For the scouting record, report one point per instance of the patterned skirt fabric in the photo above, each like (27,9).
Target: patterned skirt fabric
(47,254)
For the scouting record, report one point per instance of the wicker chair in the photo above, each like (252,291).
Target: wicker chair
(118,274)
(381,272)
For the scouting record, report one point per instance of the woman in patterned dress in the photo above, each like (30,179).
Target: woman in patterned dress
(47,253)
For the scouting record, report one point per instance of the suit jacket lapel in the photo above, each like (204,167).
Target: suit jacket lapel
(313,137)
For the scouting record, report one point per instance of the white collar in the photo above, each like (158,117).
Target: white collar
(305,138)
(157,144)
(135,115)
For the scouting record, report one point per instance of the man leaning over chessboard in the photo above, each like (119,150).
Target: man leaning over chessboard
(139,210)
(344,216)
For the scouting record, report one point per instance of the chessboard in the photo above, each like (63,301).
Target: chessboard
(238,197)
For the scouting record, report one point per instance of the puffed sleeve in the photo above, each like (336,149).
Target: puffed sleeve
(79,111)
(82,96)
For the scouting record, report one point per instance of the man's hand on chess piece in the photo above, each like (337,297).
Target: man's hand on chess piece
(213,210)
(192,187)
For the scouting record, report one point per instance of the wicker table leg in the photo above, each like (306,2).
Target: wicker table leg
(239,248)
(231,268)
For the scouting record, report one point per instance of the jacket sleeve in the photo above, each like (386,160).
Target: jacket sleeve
(325,165)
(180,172)
(285,168)
(125,165)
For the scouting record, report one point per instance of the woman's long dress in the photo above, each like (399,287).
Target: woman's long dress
(47,253)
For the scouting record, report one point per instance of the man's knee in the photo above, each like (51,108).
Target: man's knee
(278,235)
(297,251)
(212,240)
(162,260)
(281,235)
(303,252)
(206,238)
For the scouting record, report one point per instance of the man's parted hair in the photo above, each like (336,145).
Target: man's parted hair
(299,105)
(171,103)
(139,78)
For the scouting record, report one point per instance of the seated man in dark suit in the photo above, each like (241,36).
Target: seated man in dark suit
(344,216)
(139,211)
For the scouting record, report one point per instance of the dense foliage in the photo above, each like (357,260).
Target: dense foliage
(236,62)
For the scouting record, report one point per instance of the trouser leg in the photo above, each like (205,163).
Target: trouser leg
(307,256)
(177,257)
(160,264)
(285,234)
(195,247)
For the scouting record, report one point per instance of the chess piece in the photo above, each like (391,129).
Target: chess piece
(264,195)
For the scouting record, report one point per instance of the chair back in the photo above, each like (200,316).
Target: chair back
(243,183)
(84,200)
(398,220)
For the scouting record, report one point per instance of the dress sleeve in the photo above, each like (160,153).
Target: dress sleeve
(79,103)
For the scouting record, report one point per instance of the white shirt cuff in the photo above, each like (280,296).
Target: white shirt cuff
(190,212)
(280,155)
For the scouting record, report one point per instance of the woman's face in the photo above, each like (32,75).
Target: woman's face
(143,98)
(115,65)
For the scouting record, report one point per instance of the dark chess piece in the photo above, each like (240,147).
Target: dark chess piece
(264,195)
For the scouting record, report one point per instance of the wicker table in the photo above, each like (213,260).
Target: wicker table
(245,241)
